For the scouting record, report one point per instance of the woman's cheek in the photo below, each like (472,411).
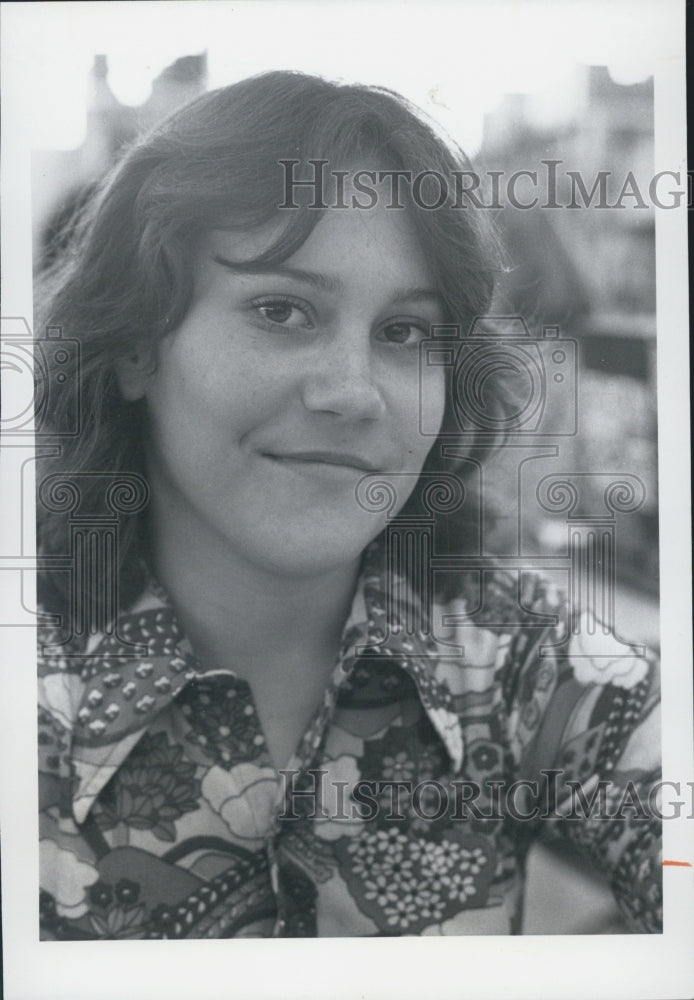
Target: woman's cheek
(430,404)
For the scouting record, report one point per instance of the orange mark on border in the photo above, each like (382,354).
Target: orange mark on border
(678,864)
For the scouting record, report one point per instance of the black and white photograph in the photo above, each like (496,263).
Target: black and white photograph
(346,509)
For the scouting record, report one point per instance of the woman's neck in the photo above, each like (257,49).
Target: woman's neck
(239,615)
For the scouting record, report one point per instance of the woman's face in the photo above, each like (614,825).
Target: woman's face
(282,388)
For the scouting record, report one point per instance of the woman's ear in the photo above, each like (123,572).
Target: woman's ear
(134,373)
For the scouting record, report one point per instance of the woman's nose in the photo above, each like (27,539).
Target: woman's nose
(343,383)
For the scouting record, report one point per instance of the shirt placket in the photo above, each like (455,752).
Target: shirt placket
(299,765)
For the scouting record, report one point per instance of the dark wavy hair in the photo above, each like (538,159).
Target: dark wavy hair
(126,276)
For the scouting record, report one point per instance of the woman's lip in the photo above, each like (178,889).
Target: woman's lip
(342,459)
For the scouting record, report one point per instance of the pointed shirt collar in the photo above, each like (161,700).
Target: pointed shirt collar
(123,694)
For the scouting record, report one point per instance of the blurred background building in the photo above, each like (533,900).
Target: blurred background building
(589,271)
(62,179)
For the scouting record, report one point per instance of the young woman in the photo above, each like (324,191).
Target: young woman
(274,731)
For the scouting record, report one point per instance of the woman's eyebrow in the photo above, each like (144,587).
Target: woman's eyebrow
(417,295)
(323,282)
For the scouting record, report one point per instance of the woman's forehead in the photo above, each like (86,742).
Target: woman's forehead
(342,243)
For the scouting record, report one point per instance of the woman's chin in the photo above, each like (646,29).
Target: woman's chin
(310,553)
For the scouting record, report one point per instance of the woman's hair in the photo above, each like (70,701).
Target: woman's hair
(125,278)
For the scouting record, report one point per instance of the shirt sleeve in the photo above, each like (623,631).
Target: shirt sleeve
(584,731)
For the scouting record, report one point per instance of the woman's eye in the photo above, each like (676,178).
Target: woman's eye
(404,333)
(284,312)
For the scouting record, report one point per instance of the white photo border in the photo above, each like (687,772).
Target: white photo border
(616,966)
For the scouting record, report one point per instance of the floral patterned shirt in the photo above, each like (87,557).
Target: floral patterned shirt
(410,802)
